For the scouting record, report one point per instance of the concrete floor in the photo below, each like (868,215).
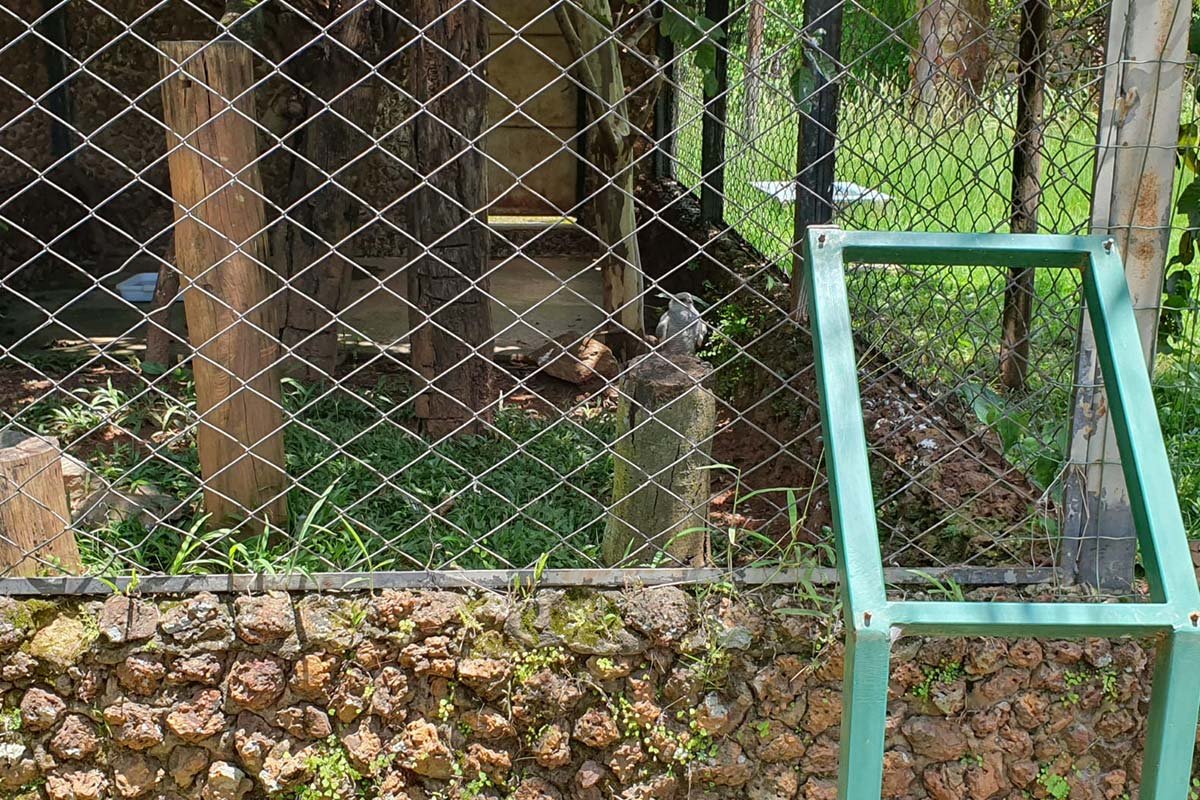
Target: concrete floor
(531,303)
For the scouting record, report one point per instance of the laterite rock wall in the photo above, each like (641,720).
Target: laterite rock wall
(640,694)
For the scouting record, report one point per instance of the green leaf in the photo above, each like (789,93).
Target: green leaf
(1187,250)
(709,28)
(1189,199)
(803,85)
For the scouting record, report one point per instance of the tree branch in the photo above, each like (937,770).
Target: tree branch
(588,76)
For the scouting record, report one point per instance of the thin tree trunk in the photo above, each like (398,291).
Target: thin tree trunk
(160,340)
(753,81)
(322,211)
(587,28)
(1026,191)
(450,315)
(953,53)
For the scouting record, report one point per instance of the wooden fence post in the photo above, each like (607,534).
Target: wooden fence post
(221,252)
(35,521)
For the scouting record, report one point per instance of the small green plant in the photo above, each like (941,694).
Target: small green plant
(531,662)
(1055,785)
(10,720)
(1108,682)
(945,672)
(945,588)
(445,709)
(332,773)
(711,668)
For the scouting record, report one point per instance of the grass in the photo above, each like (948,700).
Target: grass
(951,174)
(365,485)
(534,492)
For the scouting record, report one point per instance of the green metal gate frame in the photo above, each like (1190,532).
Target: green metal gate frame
(1173,613)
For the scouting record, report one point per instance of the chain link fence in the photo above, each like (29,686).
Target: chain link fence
(306,287)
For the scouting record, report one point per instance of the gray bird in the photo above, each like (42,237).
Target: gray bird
(681,329)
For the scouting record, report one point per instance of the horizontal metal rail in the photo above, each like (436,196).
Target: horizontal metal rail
(506,578)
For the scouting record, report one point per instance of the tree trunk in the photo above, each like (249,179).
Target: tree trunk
(1026,191)
(310,247)
(753,81)
(952,58)
(160,339)
(587,27)
(665,423)
(221,246)
(450,314)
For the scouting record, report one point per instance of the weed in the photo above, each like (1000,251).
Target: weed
(1055,785)
(943,588)
(332,774)
(945,672)
(531,662)
(10,720)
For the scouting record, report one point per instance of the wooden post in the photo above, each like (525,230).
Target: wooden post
(35,522)
(1026,190)
(221,250)
(712,132)
(815,146)
(665,423)
(451,317)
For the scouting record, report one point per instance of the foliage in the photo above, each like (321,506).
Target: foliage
(364,487)
(699,35)
(1056,785)
(332,773)
(945,672)
(1178,281)
(1029,438)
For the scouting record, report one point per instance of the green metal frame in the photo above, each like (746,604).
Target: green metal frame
(872,621)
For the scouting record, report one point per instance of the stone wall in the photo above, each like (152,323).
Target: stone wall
(653,693)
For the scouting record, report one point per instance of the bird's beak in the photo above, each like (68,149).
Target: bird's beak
(701,303)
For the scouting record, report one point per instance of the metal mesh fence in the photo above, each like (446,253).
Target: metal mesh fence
(355,286)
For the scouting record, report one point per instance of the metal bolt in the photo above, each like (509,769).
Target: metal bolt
(820,240)
(866,618)
(1108,245)
(1195,618)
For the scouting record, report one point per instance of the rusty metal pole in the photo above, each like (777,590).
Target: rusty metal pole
(1131,202)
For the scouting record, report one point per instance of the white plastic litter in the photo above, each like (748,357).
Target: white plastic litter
(139,288)
(845,193)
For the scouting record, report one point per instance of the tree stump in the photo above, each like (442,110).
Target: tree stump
(35,522)
(665,423)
